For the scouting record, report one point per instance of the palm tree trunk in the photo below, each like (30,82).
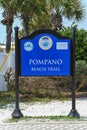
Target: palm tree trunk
(26,26)
(57,22)
(8,37)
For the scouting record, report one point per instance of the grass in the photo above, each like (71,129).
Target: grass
(6,97)
(9,97)
(43,118)
(36,99)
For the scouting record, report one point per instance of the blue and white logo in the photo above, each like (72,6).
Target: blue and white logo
(45,43)
(28,46)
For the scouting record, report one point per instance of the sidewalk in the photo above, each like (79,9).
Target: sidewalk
(52,108)
(68,125)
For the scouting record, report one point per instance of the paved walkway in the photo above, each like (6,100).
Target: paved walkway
(68,125)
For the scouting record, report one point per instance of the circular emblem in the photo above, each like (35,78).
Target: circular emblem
(45,42)
(28,46)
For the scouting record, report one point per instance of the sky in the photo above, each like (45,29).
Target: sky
(17,22)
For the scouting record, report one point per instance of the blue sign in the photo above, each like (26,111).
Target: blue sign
(45,53)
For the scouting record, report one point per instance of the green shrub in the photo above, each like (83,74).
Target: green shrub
(81,68)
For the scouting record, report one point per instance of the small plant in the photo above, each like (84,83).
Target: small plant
(9,78)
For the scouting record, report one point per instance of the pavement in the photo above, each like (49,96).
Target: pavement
(54,108)
(60,125)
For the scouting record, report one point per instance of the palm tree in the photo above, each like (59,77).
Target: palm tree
(39,22)
(54,12)
(67,8)
(8,15)
(28,9)
(41,10)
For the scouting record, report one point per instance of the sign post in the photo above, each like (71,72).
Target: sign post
(44,53)
(17,113)
(73,111)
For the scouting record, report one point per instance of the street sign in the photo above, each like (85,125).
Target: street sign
(45,53)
